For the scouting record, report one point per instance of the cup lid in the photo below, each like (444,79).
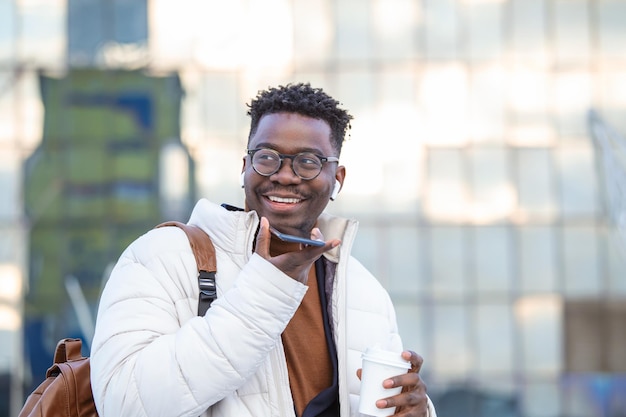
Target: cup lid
(385,356)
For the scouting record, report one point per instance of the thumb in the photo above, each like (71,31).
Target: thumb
(262,246)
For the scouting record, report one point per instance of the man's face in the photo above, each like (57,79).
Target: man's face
(291,204)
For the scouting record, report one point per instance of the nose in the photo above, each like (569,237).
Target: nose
(286,174)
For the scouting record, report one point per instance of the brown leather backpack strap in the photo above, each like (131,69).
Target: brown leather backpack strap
(204,252)
(201,244)
(67,350)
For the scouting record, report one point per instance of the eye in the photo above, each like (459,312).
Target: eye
(266,155)
(309,160)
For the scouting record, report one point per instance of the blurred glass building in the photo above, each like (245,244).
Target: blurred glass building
(491,200)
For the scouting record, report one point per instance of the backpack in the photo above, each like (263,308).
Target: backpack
(66,391)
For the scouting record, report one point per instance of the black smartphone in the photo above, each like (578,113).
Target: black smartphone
(296,239)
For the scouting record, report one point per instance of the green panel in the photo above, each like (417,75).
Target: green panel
(91,206)
(87,244)
(135,210)
(139,165)
(86,124)
(86,164)
(122,126)
(43,190)
(46,289)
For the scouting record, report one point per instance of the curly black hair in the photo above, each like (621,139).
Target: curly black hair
(305,100)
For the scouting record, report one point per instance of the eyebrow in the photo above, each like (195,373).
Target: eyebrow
(266,145)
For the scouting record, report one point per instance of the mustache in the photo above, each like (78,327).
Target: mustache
(283,189)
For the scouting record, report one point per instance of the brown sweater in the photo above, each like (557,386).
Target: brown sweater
(308,361)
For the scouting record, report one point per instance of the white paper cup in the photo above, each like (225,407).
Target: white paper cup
(379,365)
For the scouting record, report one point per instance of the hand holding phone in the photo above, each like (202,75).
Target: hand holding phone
(296,239)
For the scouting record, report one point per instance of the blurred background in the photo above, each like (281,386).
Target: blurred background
(485,163)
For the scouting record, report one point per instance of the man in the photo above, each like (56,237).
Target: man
(286,333)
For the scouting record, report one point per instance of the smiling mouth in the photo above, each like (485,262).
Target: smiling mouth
(284,200)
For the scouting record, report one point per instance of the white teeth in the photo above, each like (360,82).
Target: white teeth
(283,200)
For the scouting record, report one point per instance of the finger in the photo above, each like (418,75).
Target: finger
(410,379)
(262,245)
(308,254)
(412,397)
(316,234)
(415,359)
(359,372)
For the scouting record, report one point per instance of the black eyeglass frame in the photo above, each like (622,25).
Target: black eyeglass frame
(282,156)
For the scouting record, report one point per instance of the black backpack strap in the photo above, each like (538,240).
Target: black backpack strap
(204,252)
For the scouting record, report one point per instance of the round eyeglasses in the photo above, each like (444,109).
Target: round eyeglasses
(305,165)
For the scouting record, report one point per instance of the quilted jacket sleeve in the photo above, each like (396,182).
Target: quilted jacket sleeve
(150,355)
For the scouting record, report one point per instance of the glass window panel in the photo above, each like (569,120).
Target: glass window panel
(541,399)
(492,257)
(404,263)
(573,99)
(364,180)
(192,125)
(580,261)
(572,39)
(218,173)
(394,119)
(595,335)
(536,184)
(579,193)
(8,116)
(443,93)
(412,323)
(449,262)
(442,28)
(529,98)
(8,31)
(400,191)
(221,104)
(616,257)
(43,33)
(495,339)
(397,91)
(494,197)
(353,36)
(172,34)
(445,194)
(270,24)
(528,31)
(357,92)
(485,37)
(537,259)
(529,91)
(394,23)
(12,244)
(580,394)
(486,104)
(614,90)
(612,14)
(30,111)
(451,356)
(540,322)
(367,250)
(313,31)
(10,340)
(10,184)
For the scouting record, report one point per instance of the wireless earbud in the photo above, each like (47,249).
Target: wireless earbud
(336,189)
(243,174)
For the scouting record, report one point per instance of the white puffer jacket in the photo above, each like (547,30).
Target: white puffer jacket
(153,356)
